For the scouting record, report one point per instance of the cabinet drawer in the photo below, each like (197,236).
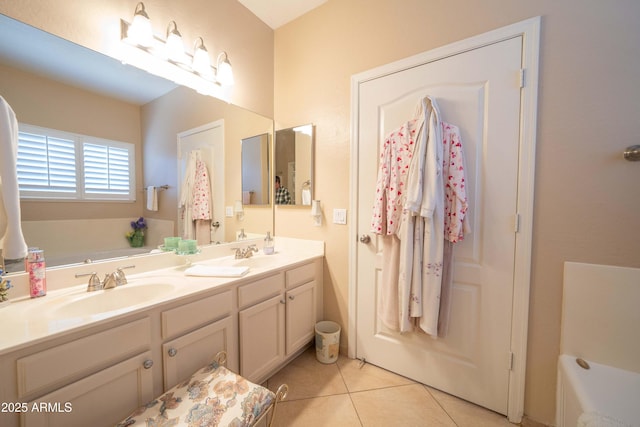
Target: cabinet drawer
(299,275)
(259,290)
(68,362)
(186,317)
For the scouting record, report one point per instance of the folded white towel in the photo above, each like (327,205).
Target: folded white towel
(152,198)
(594,419)
(216,271)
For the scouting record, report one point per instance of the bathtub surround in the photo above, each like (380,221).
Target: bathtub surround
(600,318)
(600,315)
(69,241)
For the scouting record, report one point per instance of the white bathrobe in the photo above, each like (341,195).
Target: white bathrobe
(422,228)
(11,237)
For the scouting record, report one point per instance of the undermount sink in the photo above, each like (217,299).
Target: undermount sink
(103,301)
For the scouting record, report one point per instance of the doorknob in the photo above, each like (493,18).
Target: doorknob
(365,239)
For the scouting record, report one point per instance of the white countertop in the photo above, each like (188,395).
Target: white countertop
(69,308)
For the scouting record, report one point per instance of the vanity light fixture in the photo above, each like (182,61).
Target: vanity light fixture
(225,72)
(201,60)
(238,210)
(168,58)
(316,213)
(140,31)
(174,45)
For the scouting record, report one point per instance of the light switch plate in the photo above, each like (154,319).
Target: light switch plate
(228,210)
(339,216)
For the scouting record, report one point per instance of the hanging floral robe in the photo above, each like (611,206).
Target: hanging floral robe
(395,158)
(455,214)
(195,197)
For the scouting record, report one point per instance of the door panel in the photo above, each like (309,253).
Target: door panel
(479,92)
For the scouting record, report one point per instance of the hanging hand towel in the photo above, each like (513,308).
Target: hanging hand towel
(306,197)
(246,197)
(11,237)
(152,198)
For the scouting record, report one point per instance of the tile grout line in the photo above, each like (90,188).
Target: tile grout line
(426,387)
(349,393)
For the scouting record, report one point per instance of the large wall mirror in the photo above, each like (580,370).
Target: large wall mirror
(294,149)
(256,185)
(57,100)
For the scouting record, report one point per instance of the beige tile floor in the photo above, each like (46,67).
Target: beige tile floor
(343,394)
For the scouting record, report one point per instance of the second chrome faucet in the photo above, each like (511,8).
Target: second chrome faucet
(111,280)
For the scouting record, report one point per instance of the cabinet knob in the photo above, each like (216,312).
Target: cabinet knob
(282,301)
(291,297)
(172,352)
(147,364)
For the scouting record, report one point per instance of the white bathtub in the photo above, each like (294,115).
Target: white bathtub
(604,390)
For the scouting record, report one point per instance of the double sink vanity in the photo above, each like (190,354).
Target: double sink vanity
(78,358)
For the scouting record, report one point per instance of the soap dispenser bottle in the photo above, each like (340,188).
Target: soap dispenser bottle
(36,269)
(268,247)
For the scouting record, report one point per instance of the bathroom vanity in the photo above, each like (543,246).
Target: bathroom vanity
(78,358)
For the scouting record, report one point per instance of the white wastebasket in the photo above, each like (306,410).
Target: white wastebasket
(327,341)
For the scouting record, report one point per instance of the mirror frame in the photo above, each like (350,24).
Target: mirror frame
(307,181)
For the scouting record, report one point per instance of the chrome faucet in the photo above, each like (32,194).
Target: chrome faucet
(94,282)
(111,280)
(117,278)
(246,252)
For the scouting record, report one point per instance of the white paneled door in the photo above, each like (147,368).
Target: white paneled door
(479,90)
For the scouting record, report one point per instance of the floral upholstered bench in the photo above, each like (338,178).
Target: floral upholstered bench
(213,396)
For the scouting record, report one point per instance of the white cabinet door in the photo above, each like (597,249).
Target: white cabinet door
(183,356)
(300,316)
(101,399)
(262,338)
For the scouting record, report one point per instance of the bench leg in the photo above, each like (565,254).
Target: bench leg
(281,393)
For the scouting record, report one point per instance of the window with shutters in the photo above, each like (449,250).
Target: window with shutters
(58,165)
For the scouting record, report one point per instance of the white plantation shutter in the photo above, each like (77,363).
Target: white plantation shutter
(46,164)
(61,165)
(106,170)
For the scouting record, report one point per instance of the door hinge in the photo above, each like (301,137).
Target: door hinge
(511,357)
(516,222)
(521,77)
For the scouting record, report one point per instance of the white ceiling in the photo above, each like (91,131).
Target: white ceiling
(276,13)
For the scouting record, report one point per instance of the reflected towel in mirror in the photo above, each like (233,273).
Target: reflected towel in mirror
(246,197)
(152,198)
(11,238)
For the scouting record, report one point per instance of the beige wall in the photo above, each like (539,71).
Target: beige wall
(162,121)
(43,102)
(587,199)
